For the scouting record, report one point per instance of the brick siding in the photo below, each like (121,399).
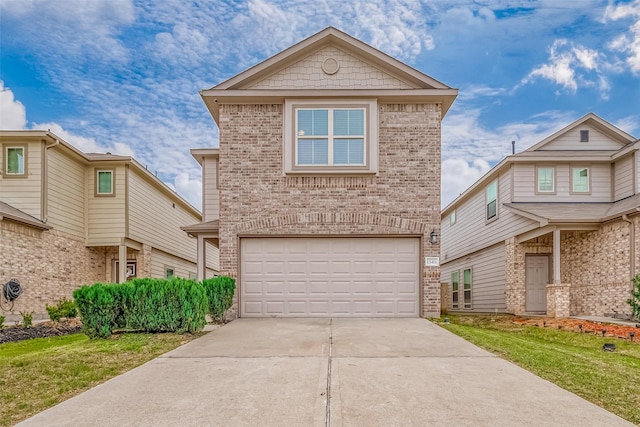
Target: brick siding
(404,198)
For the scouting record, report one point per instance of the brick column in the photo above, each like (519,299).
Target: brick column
(558,299)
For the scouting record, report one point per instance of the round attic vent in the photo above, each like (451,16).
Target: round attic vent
(330,66)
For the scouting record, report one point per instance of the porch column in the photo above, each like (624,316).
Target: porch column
(122,263)
(556,256)
(201,268)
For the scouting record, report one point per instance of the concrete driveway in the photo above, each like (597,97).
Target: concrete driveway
(321,372)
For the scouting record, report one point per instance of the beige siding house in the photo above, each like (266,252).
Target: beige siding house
(554,229)
(324,193)
(69,218)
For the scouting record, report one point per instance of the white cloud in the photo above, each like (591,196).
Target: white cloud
(189,188)
(628,43)
(13,115)
(572,66)
(458,174)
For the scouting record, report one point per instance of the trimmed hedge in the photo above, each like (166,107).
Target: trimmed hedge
(220,292)
(150,305)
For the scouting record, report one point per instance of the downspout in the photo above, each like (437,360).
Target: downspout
(45,181)
(632,245)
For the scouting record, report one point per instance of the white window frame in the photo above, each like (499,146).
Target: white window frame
(553,180)
(166,272)
(113,182)
(573,189)
(455,292)
(452,217)
(488,202)
(469,305)
(5,166)
(370,108)
(584,135)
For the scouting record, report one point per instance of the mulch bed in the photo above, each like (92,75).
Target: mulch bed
(40,330)
(583,326)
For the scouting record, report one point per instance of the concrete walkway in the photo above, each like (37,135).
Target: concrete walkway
(323,372)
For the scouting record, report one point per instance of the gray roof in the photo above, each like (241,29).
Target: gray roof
(202,227)
(576,212)
(9,212)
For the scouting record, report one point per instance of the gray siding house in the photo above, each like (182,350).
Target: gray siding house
(554,229)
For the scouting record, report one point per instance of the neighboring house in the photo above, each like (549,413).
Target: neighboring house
(324,193)
(554,229)
(68,218)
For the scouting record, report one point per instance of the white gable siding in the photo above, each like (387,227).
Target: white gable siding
(571,141)
(623,178)
(488,278)
(525,184)
(66,193)
(471,232)
(352,74)
(24,193)
(106,220)
(211,193)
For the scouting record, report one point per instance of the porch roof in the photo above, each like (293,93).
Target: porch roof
(208,227)
(9,212)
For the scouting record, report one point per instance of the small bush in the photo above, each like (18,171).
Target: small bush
(2,321)
(634,301)
(145,304)
(64,309)
(27,319)
(220,292)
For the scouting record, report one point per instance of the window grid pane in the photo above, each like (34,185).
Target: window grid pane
(105,182)
(313,123)
(580,180)
(348,152)
(348,122)
(15,161)
(313,152)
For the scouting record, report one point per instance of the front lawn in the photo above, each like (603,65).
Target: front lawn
(574,361)
(39,373)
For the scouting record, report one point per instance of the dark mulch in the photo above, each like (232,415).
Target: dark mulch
(40,330)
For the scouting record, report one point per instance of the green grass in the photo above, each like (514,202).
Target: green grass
(39,373)
(575,362)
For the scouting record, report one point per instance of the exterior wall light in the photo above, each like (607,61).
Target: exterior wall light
(433,237)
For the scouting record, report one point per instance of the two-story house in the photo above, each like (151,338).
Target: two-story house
(69,218)
(554,229)
(324,193)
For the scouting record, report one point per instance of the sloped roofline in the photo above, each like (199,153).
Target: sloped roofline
(495,171)
(329,35)
(594,120)
(93,158)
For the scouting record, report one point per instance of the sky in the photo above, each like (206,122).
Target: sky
(123,76)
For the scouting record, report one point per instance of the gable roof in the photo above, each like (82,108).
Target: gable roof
(628,143)
(9,212)
(238,87)
(591,119)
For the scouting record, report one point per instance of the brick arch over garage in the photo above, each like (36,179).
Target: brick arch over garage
(342,222)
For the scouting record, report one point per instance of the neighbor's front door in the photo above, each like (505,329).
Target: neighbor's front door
(537,277)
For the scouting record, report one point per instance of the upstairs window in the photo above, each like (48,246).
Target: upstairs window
(452,217)
(584,136)
(15,164)
(580,182)
(492,200)
(546,180)
(330,136)
(104,183)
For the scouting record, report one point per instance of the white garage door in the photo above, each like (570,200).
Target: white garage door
(329,277)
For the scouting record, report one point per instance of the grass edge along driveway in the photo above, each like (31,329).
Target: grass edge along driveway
(573,361)
(39,373)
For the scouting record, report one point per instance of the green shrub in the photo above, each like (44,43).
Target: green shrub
(220,292)
(2,321)
(634,301)
(27,319)
(65,308)
(144,304)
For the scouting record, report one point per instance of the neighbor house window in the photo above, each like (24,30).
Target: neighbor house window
(15,163)
(455,290)
(546,180)
(104,182)
(580,180)
(467,287)
(452,217)
(492,200)
(584,136)
(329,137)
(169,272)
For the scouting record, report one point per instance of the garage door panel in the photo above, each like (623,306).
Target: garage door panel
(323,277)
